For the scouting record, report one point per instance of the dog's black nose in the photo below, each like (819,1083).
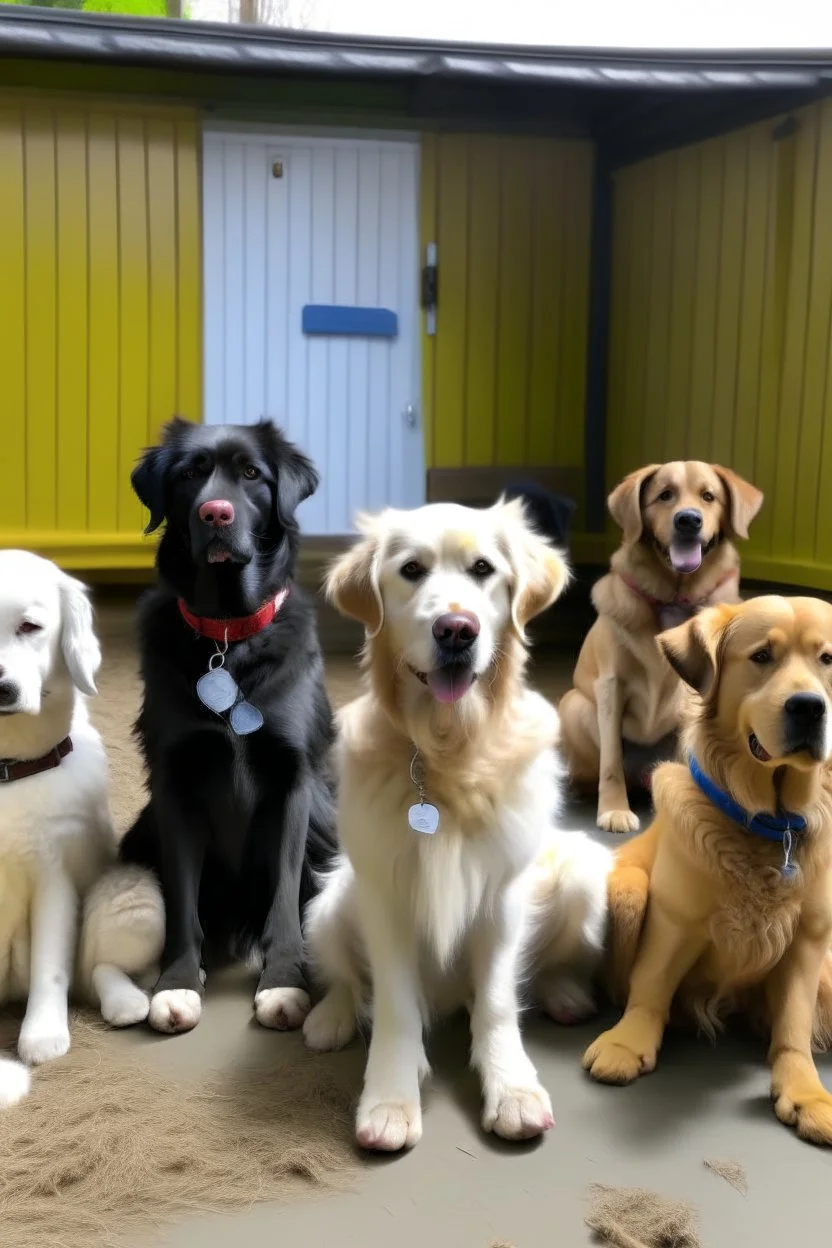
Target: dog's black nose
(688,522)
(805,708)
(8,693)
(456,631)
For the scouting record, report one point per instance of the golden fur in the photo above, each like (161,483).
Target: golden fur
(624,690)
(701,918)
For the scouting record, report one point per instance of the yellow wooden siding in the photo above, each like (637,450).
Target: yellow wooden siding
(721,336)
(100,320)
(504,376)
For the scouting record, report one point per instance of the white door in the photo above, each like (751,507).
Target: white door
(322,231)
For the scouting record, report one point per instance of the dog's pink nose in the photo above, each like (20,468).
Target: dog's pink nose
(219,513)
(457,630)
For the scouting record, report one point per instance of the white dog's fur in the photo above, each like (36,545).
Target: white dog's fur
(435,922)
(57,843)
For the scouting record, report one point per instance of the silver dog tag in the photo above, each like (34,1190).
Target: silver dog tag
(423,817)
(217,690)
(245,718)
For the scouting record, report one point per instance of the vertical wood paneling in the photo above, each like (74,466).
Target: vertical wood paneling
(13,320)
(513,320)
(344,263)
(511,219)
(729,296)
(576,160)
(100,333)
(549,333)
(72,393)
(322,290)
(188,263)
(751,308)
(340,226)
(683,262)
(482,261)
(103,322)
(134,340)
(40,212)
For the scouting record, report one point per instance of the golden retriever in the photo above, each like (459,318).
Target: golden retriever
(454,880)
(737,862)
(677,556)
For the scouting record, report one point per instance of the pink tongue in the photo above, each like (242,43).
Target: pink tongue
(685,556)
(449,684)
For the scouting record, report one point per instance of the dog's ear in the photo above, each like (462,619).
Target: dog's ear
(540,573)
(744,501)
(82,653)
(296,475)
(148,481)
(149,477)
(352,584)
(694,649)
(626,499)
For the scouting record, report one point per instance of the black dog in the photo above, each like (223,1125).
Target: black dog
(238,822)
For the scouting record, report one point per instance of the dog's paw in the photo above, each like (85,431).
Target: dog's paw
(388,1126)
(175,1010)
(282,1009)
(617,821)
(126,1006)
(610,1061)
(519,1113)
(331,1025)
(812,1117)
(567,1001)
(42,1040)
(15,1082)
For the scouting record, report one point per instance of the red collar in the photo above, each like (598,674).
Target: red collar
(681,600)
(10,771)
(238,629)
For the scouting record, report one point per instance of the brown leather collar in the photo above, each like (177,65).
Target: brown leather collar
(10,771)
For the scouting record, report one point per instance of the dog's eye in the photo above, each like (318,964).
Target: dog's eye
(761,656)
(707,496)
(412,570)
(481,569)
(826,658)
(188,474)
(665,496)
(251,472)
(29,626)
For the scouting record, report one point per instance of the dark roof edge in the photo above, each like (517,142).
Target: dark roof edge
(69,35)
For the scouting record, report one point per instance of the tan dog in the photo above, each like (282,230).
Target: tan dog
(677,556)
(738,919)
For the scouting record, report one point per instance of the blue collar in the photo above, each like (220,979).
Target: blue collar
(770,827)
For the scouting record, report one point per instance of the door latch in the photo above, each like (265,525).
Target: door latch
(411,416)
(430,289)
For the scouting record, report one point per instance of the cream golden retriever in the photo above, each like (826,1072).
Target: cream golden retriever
(68,918)
(454,880)
(679,521)
(735,872)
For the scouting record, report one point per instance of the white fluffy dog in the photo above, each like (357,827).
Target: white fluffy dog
(433,915)
(56,839)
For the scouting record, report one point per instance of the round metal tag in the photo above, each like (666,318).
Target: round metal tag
(423,817)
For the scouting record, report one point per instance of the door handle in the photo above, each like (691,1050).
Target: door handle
(411,416)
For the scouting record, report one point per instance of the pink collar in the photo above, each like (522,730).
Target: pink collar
(239,629)
(681,600)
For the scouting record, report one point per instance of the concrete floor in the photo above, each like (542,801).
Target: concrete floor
(460,1189)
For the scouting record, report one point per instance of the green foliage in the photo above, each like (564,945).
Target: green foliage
(131,8)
